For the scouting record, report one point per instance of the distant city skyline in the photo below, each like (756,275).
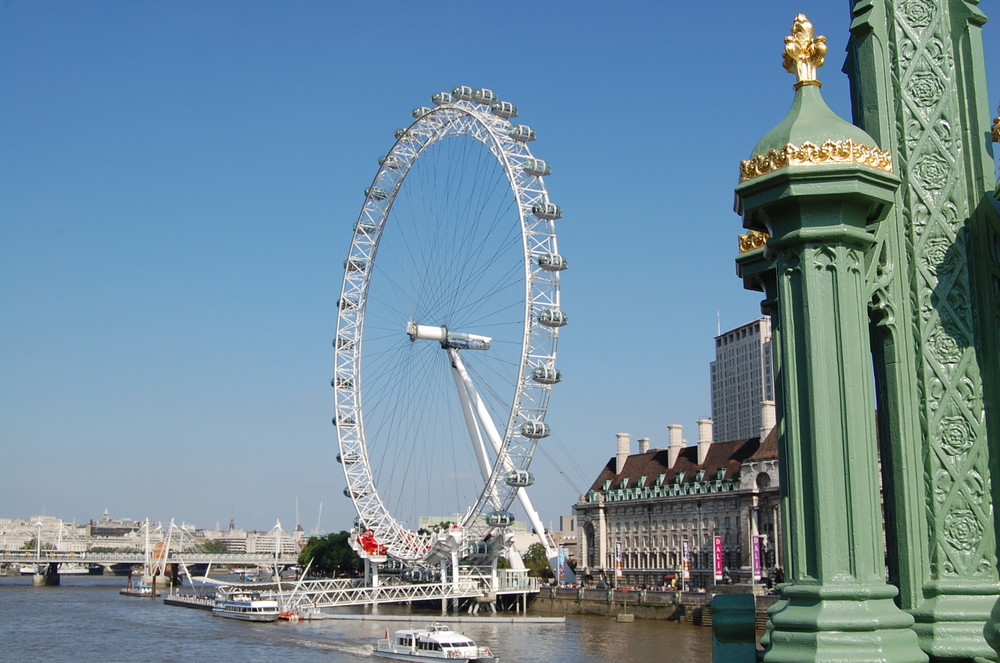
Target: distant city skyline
(180,183)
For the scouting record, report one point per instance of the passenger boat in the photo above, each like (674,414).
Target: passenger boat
(433,643)
(246,606)
(141,591)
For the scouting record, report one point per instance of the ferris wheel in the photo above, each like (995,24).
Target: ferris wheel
(447,326)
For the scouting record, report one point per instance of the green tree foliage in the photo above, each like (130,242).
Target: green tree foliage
(537,562)
(214,547)
(331,555)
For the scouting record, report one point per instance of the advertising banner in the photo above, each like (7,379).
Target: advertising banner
(618,559)
(685,560)
(755,556)
(717,548)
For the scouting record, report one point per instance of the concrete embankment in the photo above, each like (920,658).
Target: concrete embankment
(693,607)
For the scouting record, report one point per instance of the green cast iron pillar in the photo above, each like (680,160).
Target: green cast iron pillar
(814,184)
(918,82)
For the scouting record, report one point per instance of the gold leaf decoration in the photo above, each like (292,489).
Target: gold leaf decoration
(804,53)
(810,154)
(753,240)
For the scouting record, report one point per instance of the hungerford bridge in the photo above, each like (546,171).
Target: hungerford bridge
(306,597)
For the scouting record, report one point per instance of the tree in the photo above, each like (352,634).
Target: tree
(536,560)
(214,547)
(330,555)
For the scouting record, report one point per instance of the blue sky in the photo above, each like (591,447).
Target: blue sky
(178,183)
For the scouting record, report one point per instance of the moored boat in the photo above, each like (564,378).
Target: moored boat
(141,591)
(246,606)
(434,642)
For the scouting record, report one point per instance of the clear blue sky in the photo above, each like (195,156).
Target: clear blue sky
(178,183)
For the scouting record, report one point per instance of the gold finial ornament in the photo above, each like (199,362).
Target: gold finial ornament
(804,53)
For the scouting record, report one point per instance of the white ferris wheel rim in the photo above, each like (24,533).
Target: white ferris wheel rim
(472,119)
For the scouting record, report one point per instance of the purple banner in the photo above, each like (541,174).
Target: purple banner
(755,556)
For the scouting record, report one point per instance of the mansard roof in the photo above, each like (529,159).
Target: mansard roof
(729,455)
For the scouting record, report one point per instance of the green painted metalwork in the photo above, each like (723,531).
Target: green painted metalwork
(838,605)
(918,82)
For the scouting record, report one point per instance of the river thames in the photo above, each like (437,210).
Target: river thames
(85,619)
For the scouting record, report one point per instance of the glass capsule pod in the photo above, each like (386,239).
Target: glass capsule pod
(342,383)
(404,136)
(519,478)
(365,227)
(547,211)
(484,96)
(500,519)
(535,430)
(441,98)
(536,167)
(347,304)
(546,375)
(390,161)
(355,265)
(376,193)
(348,459)
(552,318)
(343,343)
(348,421)
(477,548)
(522,133)
(462,93)
(552,262)
(504,109)
(419,112)
(353,493)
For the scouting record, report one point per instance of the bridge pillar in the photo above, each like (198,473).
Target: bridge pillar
(814,183)
(917,72)
(46,575)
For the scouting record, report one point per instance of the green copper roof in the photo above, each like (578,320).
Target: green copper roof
(810,120)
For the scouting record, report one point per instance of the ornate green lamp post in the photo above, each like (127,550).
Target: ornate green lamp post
(815,183)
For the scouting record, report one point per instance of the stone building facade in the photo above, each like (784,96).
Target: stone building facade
(648,504)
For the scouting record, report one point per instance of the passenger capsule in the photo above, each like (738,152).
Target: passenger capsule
(552,318)
(522,133)
(355,265)
(462,93)
(342,383)
(536,167)
(484,96)
(500,519)
(376,193)
(419,112)
(546,375)
(347,304)
(552,262)
(535,430)
(390,161)
(404,136)
(355,494)
(519,479)
(343,343)
(504,109)
(348,459)
(547,211)
(365,227)
(441,98)
(347,421)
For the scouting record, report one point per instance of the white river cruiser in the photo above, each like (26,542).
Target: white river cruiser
(247,606)
(433,643)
